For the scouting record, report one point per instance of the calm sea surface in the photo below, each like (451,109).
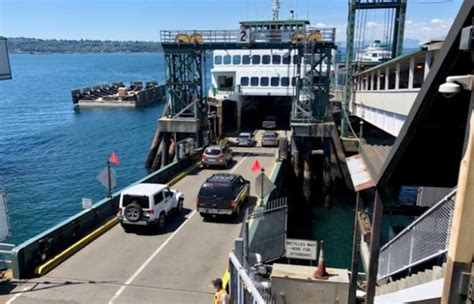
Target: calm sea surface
(50,153)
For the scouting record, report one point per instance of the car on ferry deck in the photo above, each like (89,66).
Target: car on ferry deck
(245,139)
(270,139)
(269,122)
(223,194)
(217,156)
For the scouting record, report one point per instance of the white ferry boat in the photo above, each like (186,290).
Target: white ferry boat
(375,52)
(257,81)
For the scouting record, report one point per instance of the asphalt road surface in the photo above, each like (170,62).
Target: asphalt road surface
(175,265)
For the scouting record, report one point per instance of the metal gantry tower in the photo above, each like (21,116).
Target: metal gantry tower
(396,44)
(186,111)
(184,82)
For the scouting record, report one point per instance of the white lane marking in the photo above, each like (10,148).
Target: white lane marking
(139,270)
(238,165)
(154,254)
(16,296)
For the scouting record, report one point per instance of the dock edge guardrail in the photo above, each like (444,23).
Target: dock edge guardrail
(245,285)
(424,239)
(37,250)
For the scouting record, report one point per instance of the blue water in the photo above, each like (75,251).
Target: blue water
(50,153)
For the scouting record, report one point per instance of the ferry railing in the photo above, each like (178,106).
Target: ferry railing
(423,240)
(230,90)
(326,35)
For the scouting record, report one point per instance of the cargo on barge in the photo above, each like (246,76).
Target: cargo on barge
(116,94)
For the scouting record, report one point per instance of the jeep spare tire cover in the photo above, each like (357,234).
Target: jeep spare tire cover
(133,212)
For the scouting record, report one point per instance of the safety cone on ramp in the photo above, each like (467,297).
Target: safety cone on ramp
(321,272)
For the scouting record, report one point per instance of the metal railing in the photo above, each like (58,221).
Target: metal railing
(5,255)
(224,90)
(326,35)
(424,239)
(248,289)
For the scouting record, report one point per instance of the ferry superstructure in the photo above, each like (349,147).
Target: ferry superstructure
(264,80)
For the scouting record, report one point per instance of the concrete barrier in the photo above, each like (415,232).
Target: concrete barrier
(36,251)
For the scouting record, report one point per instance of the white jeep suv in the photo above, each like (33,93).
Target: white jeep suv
(148,204)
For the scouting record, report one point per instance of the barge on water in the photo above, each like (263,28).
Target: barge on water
(117,94)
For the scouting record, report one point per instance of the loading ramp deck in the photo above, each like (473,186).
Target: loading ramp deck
(172,266)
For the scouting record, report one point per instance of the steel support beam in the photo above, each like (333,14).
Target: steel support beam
(349,71)
(355,254)
(374,248)
(397,44)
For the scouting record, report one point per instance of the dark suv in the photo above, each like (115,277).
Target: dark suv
(224,194)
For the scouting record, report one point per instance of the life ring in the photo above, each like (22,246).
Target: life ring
(196,38)
(182,38)
(297,37)
(315,36)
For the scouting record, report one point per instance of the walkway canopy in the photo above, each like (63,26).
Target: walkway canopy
(429,148)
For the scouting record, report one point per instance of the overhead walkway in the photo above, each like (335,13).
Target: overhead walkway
(175,265)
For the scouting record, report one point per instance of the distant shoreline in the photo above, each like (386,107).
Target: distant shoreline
(79,53)
(21,45)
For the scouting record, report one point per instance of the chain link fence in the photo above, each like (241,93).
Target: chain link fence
(424,239)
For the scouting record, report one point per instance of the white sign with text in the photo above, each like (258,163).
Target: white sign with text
(301,249)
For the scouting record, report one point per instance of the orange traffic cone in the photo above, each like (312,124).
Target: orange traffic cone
(321,272)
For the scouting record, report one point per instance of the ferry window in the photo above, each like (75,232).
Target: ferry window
(275,81)
(254,81)
(285,81)
(375,81)
(296,59)
(266,59)
(218,60)
(293,81)
(244,81)
(276,59)
(227,59)
(225,82)
(246,59)
(369,82)
(264,81)
(286,59)
(256,59)
(236,59)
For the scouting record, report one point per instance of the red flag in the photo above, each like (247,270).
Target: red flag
(113,159)
(256,166)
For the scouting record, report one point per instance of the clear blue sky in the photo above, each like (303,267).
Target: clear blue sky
(143,19)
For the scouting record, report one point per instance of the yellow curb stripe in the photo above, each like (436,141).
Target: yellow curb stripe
(61,257)
(183,174)
(58,259)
